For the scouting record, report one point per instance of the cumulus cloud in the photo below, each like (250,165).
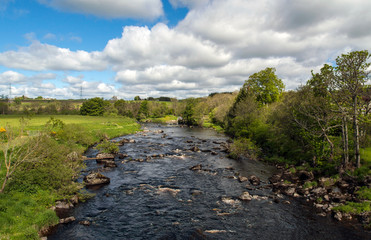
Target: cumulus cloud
(12,77)
(218,45)
(39,57)
(146,9)
(140,47)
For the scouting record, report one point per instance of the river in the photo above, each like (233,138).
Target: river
(158,196)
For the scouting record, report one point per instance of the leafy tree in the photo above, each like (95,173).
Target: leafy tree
(351,75)
(265,85)
(94,107)
(137,98)
(143,110)
(345,84)
(189,112)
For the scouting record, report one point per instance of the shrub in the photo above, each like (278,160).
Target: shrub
(244,147)
(107,147)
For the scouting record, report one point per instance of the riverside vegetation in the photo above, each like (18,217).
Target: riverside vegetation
(41,157)
(321,129)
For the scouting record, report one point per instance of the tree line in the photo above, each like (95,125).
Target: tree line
(323,124)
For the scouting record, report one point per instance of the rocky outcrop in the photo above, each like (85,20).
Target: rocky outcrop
(323,193)
(94,179)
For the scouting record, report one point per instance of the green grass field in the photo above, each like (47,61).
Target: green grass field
(112,126)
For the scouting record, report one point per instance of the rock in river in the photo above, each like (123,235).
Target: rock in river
(102,157)
(96,179)
(254,180)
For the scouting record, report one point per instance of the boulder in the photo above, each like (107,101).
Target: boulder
(125,140)
(275,178)
(338,216)
(242,179)
(61,205)
(254,180)
(326,182)
(196,167)
(102,157)
(96,179)
(290,191)
(67,220)
(122,155)
(305,176)
(195,149)
(245,196)
(85,223)
(319,191)
(110,164)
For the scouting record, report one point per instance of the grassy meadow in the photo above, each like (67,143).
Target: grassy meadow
(35,185)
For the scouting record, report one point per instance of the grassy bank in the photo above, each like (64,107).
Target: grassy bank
(48,172)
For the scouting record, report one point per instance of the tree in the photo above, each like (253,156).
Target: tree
(265,85)
(351,75)
(313,113)
(143,110)
(137,98)
(189,112)
(94,107)
(344,83)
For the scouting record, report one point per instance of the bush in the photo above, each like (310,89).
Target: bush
(244,147)
(107,147)
(94,107)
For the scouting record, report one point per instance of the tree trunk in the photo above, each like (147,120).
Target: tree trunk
(356,133)
(345,142)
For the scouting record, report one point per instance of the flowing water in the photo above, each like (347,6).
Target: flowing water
(158,196)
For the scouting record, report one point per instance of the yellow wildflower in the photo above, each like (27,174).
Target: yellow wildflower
(2,130)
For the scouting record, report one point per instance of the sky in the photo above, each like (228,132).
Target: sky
(176,48)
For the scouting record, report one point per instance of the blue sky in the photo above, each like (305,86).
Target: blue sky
(176,48)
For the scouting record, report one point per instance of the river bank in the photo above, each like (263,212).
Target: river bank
(177,183)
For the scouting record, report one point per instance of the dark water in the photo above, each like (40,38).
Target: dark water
(161,198)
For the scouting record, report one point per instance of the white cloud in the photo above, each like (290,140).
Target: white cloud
(145,9)
(140,47)
(40,57)
(9,77)
(215,48)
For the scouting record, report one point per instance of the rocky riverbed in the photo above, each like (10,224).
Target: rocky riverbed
(177,183)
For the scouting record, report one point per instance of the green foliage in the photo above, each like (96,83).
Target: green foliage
(189,112)
(94,107)
(107,147)
(364,193)
(265,86)
(244,147)
(354,207)
(56,163)
(143,110)
(310,184)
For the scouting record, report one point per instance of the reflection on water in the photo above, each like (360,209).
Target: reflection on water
(159,197)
